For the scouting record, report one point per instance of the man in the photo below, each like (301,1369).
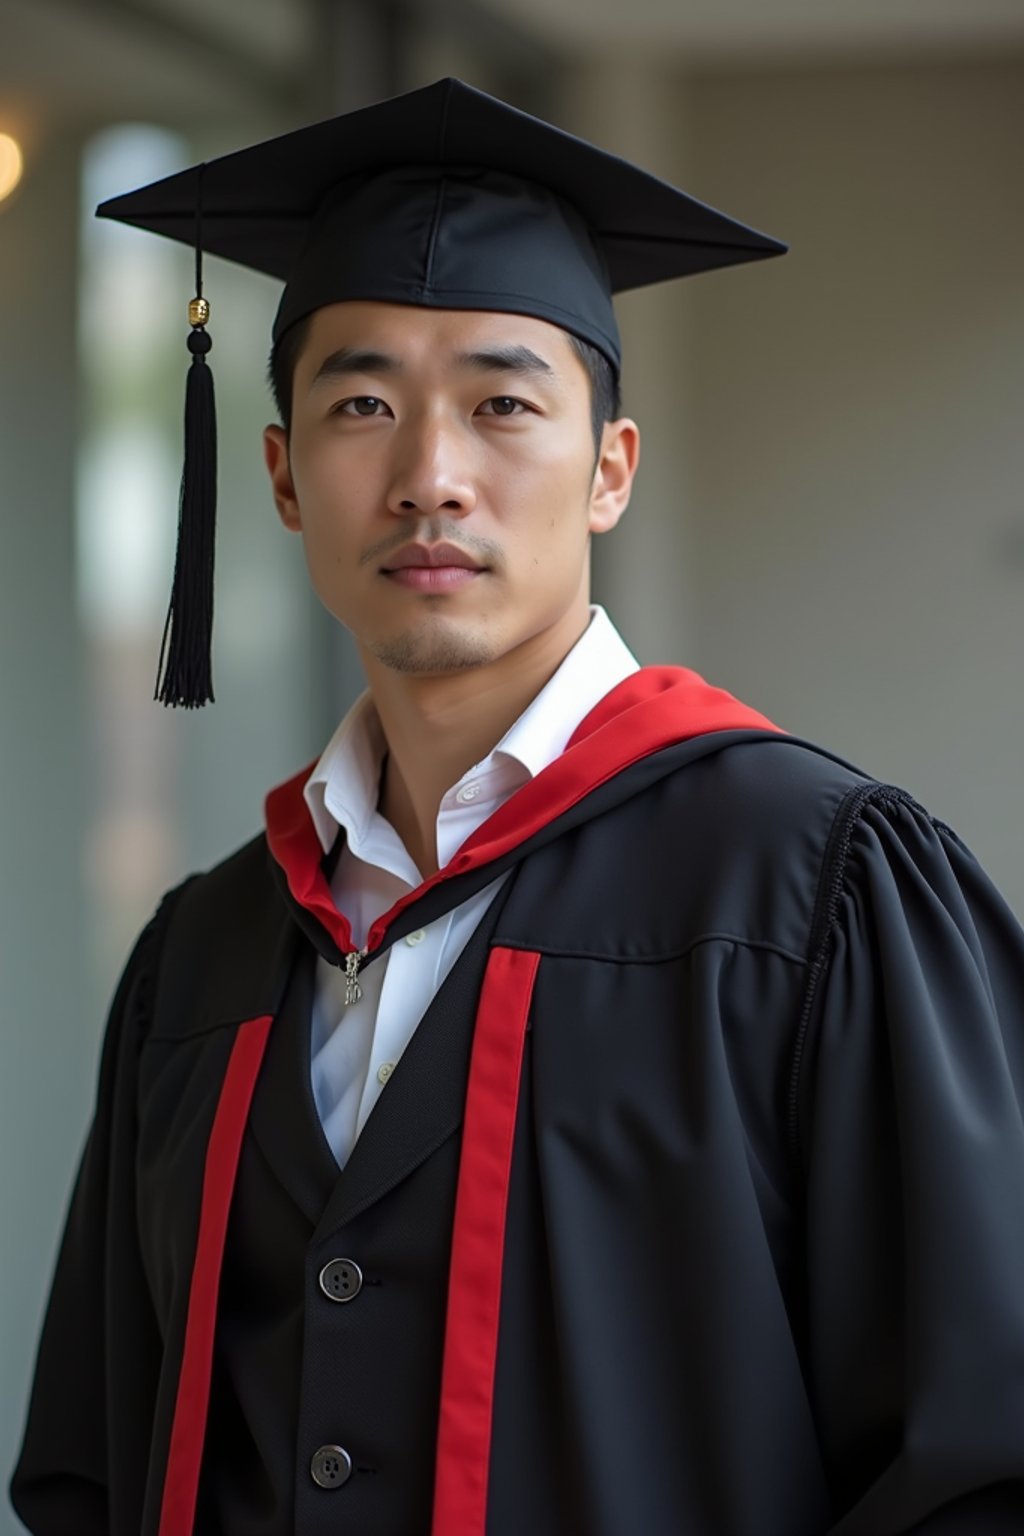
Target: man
(586,1109)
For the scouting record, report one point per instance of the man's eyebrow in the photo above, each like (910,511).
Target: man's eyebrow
(514,358)
(511,359)
(348,360)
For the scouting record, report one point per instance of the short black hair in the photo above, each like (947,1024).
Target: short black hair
(605,391)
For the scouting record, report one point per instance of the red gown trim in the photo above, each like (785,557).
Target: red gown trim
(654,708)
(188,1430)
(478,1245)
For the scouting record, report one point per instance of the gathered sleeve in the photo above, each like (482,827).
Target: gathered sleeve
(909,1117)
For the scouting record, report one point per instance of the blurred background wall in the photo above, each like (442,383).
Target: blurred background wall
(829,520)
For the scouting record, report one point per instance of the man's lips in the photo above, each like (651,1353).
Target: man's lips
(434,578)
(424,555)
(431,567)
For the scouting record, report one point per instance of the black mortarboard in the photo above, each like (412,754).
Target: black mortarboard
(444,197)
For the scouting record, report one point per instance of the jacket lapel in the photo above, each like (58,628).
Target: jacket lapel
(284,1121)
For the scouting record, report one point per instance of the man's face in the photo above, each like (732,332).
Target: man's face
(460,438)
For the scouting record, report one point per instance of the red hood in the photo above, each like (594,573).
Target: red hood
(654,708)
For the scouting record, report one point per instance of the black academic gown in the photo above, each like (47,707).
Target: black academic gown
(695,1204)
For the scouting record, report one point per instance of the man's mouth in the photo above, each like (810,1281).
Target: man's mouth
(432,567)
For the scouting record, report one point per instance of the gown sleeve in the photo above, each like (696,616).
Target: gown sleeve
(91,1405)
(911,1121)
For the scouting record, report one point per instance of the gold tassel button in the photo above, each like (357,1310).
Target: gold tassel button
(198,311)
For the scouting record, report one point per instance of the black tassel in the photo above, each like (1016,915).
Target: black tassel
(185,673)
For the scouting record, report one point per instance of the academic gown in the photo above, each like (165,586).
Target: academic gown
(695,1204)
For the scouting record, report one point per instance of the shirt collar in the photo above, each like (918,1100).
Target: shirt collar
(597,663)
(343,788)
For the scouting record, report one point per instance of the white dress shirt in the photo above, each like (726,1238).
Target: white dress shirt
(355,1048)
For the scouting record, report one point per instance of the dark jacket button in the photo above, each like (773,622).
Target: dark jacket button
(331,1466)
(341,1280)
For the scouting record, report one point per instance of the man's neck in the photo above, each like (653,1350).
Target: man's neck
(437,727)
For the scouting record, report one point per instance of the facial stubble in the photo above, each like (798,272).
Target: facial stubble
(435,646)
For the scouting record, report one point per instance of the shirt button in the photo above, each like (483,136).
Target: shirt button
(468,793)
(384,1071)
(341,1280)
(412,939)
(331,1466)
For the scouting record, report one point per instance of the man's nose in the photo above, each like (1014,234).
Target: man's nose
(432,471)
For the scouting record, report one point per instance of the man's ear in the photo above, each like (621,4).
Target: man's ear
(613,477)
(275,455)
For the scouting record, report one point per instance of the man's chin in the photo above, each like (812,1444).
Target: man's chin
(432,651)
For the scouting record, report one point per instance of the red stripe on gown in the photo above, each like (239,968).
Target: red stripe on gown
(478,1244)
(188,1431)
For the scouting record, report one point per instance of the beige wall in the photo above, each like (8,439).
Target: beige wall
(839,432)
(645,570)
(860,461)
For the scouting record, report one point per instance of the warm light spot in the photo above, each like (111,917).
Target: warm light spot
(10,165)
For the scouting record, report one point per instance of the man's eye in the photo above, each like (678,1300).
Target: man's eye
(361,405)
(503,405)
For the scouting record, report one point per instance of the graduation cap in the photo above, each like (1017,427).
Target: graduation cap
(444,197)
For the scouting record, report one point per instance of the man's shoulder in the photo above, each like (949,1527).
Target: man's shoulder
(234,874)
(668,729)
(224,935)
(766,784)
(228,891)
(755,821)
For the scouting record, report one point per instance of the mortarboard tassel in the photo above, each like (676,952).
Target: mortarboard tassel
(185,674)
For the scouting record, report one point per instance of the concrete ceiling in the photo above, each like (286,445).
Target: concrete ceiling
(171,59)
(723,30)
(149,58)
